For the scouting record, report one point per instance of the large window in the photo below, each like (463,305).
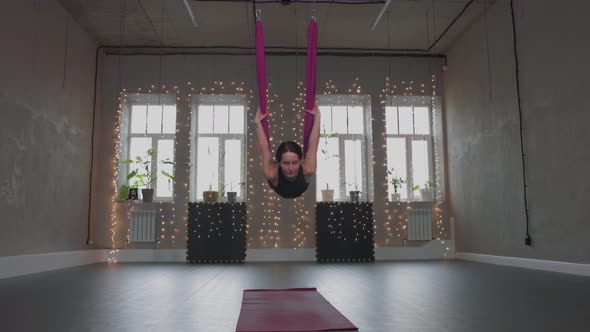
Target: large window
(342,151)
(409,145)
(150,124)
(219,145)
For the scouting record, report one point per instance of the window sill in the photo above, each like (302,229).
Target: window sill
(139,201)
(411,201)
(202,201)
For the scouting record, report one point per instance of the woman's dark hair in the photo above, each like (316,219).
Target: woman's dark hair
(288,146)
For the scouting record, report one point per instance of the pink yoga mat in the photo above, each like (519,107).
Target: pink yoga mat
(295,309)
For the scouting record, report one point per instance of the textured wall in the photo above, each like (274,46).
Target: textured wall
(484,163)
(46,106)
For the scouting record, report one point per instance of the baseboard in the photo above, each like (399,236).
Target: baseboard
(281,255)
(13,266)
(150,255)
(527,263)
(435,249)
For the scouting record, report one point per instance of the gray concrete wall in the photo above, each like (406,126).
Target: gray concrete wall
(484,157)
(45,128)
(142,71)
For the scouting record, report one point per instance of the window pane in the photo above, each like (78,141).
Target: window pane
(328,171)
(165,152)
(205,119)
(339,119)
(420,164)
(353,165)
(236,119)
(169,119)
(355,120)
(138,147)
(396,160)
(421,121)
(138,119)
(233,166)
(406,123)
(391,120)
(326,119)
(220,119)
(154,124)
(207,165)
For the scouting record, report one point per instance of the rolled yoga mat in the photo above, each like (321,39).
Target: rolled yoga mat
(295,309)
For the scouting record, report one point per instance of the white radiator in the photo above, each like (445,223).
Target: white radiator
(420,224)
(142,226)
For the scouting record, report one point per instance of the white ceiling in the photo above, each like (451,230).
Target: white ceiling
(413,24)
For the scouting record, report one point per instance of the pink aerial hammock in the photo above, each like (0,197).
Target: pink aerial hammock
(310,78)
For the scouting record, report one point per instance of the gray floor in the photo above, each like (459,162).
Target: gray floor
(383,296)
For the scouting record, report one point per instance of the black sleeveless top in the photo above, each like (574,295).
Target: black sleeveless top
(290,189)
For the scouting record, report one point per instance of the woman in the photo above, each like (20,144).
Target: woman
(289,174)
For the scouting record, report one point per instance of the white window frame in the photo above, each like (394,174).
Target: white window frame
(366,144)
(214,100)
(126,135)
(413,101)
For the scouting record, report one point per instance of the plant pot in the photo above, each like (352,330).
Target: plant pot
(133,194)
(231,196)
(427,194)
(147,194)
(210,196)
(354,196)
(396,197)
(328,195)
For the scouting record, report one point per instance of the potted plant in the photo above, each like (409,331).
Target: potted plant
(128,191)
(143,175)
(231,195)
(327,194)
(427,193)
(213,195)
(397,184)
(414,188)
(354,194)
(210,195)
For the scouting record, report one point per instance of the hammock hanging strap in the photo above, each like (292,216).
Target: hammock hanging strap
(310,75)
(310,80)
(261,74)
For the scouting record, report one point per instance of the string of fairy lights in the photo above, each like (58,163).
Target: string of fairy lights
(115,164)
(268,233)
(301,226)
(396,213)
(264,206)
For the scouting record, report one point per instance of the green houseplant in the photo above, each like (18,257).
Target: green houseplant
(397,184)
(427,193)
(142,175)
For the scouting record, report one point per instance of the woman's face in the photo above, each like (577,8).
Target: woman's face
(290,164)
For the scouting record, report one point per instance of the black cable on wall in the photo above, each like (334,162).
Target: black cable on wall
(527,240)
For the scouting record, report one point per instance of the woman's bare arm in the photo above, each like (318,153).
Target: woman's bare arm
(268,166)
(311,157)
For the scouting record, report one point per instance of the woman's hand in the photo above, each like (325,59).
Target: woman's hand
(259,116)
(315,112)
